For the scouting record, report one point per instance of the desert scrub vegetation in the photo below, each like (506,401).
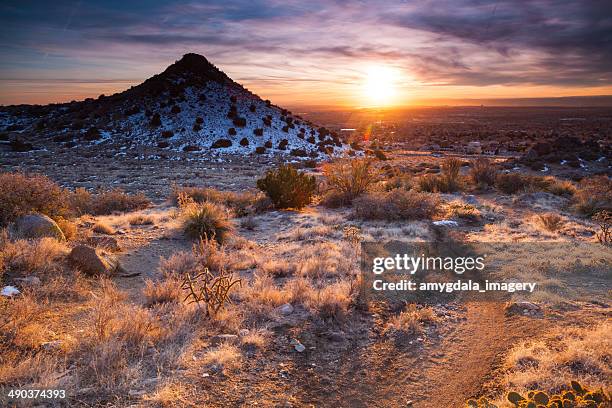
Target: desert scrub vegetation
(604,221)
(449,180)
(241,204)
(287,187)
(551,222)
(346,180)
(594,194)
(482,173)
(513,183)
(411,320)
(467,212)
(205,220)
(105,202)
(21,194)
(141,219)
(576,354)
(396,204)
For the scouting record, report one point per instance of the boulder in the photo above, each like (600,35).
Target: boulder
(36,226)
(90,262)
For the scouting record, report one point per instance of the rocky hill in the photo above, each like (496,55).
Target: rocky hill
(191,107)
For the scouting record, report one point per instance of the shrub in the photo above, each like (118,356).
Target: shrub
(197,127)
(550,221)
(604,220)
(175,109)
(396,204)
(167,134)
(241,204)
(260,150)
(221,143)
(141,219)
(287,188)
(258,132)
(205,220)
(164,291)
(106,202)
(379,154)
(511,183)
(239,122)
(231,132)
(156,120)
(594,194)
(268,144)
(410,320)
(447,181)
(244,142)
(348,179)
(21,194)
(483,173)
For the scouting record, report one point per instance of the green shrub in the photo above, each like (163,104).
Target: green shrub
(287,188)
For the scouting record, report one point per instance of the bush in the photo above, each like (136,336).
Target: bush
(258,132)
(244,142)
(380,155)
(348,179)
(396,204)
(511,183)
(221,143)
(550,221)
(106,202)
(483,173)
(231,132)
(287,188)
(594,194)
(239,122)
(205,220)
(241,204)
(167,134)
(447,181)
(156,120)
(21,194)
(260,150)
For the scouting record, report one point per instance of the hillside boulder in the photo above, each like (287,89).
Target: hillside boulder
(36,226)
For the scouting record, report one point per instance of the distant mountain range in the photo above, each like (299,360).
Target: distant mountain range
(192,106)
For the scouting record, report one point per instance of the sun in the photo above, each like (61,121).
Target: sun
(380,85)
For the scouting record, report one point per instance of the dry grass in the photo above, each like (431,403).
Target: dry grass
(255,339)
(483,173)
(241,204)
(574,354)
(277,268)
(205,220)
(347,179)
(178,264)
(163,291)
(332,301)
(511,183)
(21,194)
(33,257)
(69,228)
(141,219)
(594,194)
(448,181)
(106,202)
(550,221)
(225,357)
(326,259)
(410,320)
(102,228)
(458,209)
(397,204)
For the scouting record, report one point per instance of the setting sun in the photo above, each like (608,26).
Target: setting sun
(380,86)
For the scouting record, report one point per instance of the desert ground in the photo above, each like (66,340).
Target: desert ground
(295,329)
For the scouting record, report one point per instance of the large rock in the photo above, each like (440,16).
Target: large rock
(91,262)
(37,226)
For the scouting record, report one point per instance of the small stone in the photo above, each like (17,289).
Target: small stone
(299,347)
(285,309)
(9,291)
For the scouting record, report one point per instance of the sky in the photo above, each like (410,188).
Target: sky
(312,53)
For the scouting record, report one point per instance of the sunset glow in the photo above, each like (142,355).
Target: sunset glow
(380,86)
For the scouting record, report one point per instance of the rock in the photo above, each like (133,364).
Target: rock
(299,347)
(36,226)
(52,345)
(285,309)
(223,338)
(446,223)
(109,243)
(89,261)
(9,291)
(522,307)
